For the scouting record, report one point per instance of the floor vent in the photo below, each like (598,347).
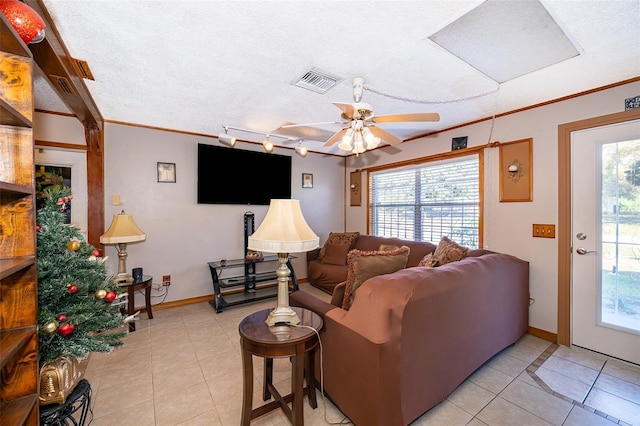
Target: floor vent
(82,68)
(317,80)
(62,83)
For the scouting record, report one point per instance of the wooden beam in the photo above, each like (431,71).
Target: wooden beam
(56,63)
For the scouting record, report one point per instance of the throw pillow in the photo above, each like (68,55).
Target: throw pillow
(388,247)
(449,251)
(429,261)
(366,264)
(336,254)
(339,238)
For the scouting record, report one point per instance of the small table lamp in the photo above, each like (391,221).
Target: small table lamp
(283,231)
(123,230)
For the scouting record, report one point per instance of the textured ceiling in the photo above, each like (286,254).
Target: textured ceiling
(198,65)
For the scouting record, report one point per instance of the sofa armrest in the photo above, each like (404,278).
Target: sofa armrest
(306,300)
(313,254)
(337,296)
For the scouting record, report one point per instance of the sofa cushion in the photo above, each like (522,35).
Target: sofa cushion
(339,238)
(363,265)
(388,247)
(335,254)
(449,251)
(429,261)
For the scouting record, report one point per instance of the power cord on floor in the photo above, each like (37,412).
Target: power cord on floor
(344,420)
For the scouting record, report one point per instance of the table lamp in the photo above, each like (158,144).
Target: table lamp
(123,230)
(283,231)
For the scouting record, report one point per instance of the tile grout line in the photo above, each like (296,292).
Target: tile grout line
(533,367)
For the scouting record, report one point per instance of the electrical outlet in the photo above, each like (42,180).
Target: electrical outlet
(166,280)
(544,231)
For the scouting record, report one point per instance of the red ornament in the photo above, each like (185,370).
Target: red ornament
(61,317)
(38,228)
(27,23)
(96,252)
(110,296)
(73,289)
(65,329)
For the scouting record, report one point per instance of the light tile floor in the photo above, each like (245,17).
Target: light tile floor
(184,368)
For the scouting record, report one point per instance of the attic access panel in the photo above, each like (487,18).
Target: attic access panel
(507,39)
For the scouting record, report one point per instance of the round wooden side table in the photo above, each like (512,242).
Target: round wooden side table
(131,287)
(298,343)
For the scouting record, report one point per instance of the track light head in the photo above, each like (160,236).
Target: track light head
(227,140)
(301,150)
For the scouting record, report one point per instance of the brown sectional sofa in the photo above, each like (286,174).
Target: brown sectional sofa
(326,276)
(412,336)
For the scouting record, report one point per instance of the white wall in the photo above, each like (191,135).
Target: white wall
(182,236)
(507,226)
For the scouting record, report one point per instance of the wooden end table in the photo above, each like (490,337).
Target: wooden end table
(131,289)
(298,343)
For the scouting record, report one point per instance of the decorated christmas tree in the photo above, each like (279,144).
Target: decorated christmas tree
(78,302)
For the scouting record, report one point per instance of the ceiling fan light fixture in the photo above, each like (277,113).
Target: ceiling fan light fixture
(373,143)
(348,137)
(345,145)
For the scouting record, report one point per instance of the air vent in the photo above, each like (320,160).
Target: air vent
(62,83)
(82,68)
(317,80)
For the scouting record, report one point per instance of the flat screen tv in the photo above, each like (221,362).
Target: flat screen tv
(235,176)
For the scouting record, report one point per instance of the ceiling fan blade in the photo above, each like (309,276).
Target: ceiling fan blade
(384,135)
(289,126)
(336,137)
(396,118)
(347,109)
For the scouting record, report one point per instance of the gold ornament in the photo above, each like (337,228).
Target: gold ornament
(100,294)
(73,245)
(50,327)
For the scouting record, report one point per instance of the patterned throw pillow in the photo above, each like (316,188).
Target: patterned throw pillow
(429,261)
(366,264)
(449,251)
(339,238)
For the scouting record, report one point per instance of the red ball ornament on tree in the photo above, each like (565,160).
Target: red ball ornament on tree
(38,228)
(61,317)
(27,23)
(96,252)
(73,289)
(110,296)
(65,329)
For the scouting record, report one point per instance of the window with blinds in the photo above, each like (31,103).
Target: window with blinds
(428,201)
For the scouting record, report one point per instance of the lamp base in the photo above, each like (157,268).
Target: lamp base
(123,278)
(282,315)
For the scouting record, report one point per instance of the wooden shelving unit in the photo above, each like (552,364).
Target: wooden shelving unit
(18,269)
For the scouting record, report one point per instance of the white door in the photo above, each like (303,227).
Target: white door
(605,189)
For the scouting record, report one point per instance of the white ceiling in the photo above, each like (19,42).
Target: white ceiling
(198,65)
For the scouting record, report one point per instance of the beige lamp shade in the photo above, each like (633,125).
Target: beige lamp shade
(123,229)
(283,230)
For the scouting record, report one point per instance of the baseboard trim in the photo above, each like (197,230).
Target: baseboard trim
(543,334)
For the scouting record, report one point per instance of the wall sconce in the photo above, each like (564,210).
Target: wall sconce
(226,139)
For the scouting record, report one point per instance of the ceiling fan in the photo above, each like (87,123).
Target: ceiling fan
(361,132)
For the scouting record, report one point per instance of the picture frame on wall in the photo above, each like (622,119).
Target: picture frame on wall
(166,172)
(516,180)
(307,180)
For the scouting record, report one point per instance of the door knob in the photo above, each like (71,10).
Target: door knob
(584,251)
